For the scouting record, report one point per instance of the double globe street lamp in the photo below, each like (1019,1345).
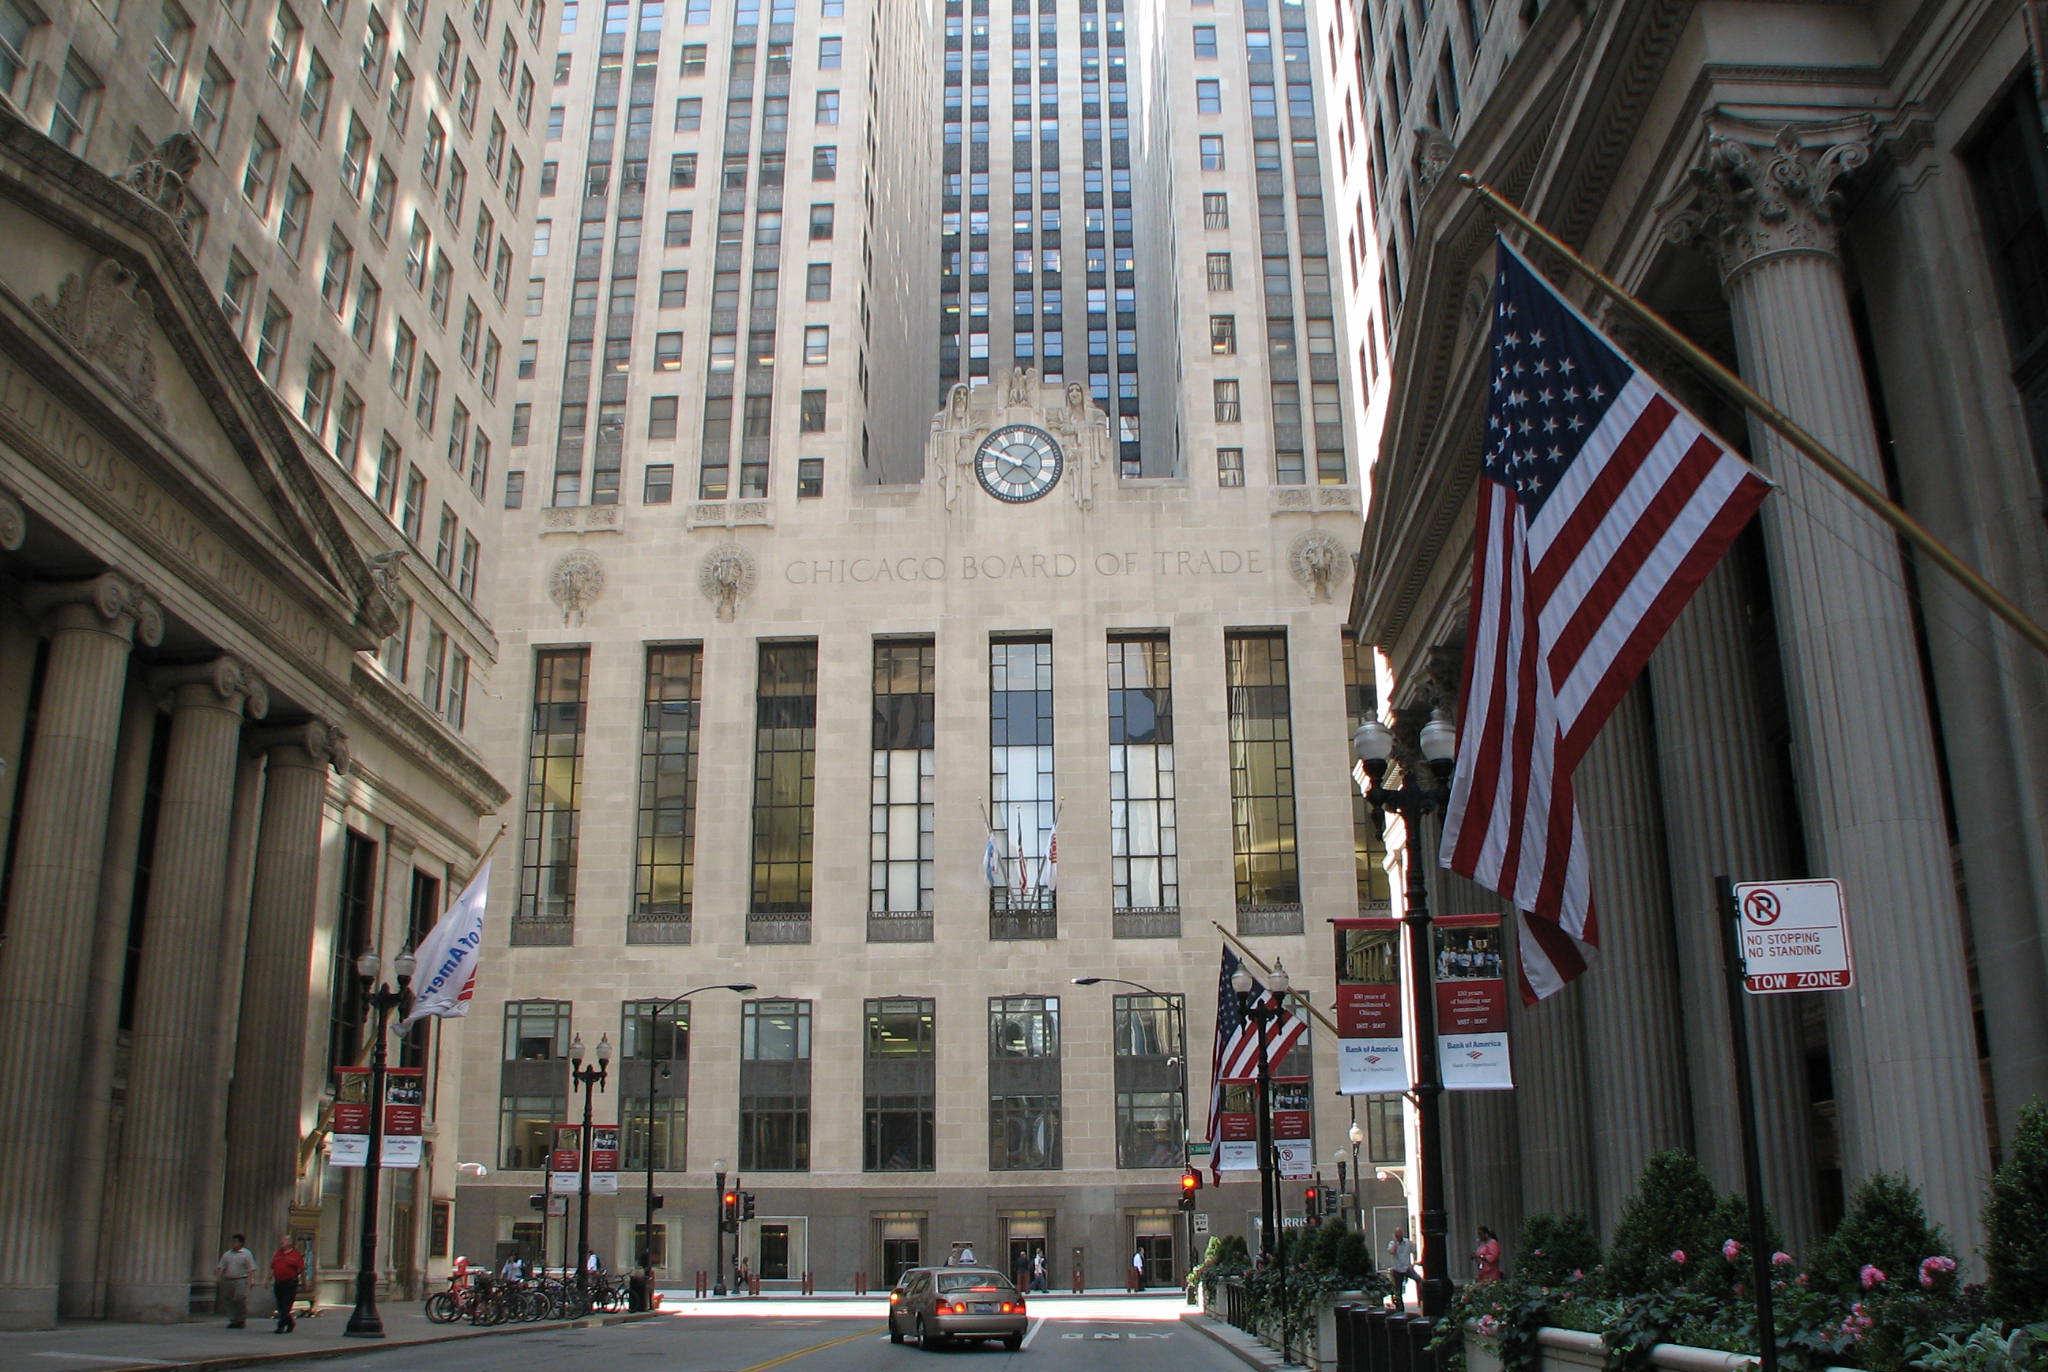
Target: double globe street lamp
(588,1078)
(1417,797)
(364,1322)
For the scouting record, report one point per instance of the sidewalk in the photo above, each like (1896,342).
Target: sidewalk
(109,1347)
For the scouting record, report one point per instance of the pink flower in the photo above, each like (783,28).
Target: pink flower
(1800,1280)
(1933,1269)
(1781,1259)
(1731,1250)
(1488,1324)
(1678,1256)
(1858,1322)
(1578,1274)
(1870,1276)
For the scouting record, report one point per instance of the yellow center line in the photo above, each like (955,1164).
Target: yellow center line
(806,1352)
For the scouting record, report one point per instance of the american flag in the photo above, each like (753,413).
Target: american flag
(1236,1053)
(1603,506)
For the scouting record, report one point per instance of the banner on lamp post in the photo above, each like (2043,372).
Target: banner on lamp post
(604,1159)
(565,1160)
(1471,1003)
(1237,1148)
(405,1112)
(1372,1056)
(348,1119)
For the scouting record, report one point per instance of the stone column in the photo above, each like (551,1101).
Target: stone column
(82,1292)
(1630,1002)
(1480,1127)
(1725,816)
(174,1015)
(1547,1047)
(270,1046)
(1905,1062)
(56,885)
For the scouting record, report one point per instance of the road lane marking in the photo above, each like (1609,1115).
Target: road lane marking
(1031,1334)
(805,1352)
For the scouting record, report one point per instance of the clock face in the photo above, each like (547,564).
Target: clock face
(1018,463)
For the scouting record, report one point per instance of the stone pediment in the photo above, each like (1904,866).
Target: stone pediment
(1021,396)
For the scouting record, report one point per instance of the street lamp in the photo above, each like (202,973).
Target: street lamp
(1357,1136)
(587,1078)
(1417,797)
(1180,1019)
(718,1230)
(647,1226)
(364,1322)
(1263,1015)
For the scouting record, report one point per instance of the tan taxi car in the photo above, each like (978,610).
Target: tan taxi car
(936,1305)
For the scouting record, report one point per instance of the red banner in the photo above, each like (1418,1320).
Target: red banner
(1292,1114)
(348,1120)
(1368,977)
(1471,1003)
(405,1112)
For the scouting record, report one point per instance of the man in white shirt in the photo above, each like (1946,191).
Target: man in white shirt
(234,1269)
(1401,1266)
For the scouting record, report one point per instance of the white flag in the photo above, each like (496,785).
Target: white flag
(992,862)
(1049,866)
(447,957)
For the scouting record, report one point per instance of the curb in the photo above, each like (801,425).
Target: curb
(1240,1345)
(377,1345)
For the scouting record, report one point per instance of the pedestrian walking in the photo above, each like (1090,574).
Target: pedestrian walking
(1401,1266)
(234,1269)
(1020,1270)
(1038,1271)
(1138,1270)
(1486,1257)
(287,1265)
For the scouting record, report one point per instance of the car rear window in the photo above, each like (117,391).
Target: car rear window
(974,1281)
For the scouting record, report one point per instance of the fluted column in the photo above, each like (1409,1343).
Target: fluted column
(263,1106)
(1725,816)
(1629,1004)
(174,1019)
(81,1294)
(1552,1144)
(1484,1185)
(1905,1063)
(43,969)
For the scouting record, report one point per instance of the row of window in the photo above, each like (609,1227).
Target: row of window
(1020,862)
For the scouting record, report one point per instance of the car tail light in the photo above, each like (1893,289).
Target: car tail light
(1012,1308)
(895,1298)
(959,1307)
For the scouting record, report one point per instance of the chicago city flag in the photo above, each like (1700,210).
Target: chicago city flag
(1602,506)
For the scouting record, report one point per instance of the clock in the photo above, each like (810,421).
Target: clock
(1018,462)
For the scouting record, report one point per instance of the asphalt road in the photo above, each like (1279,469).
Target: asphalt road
(1143,1336)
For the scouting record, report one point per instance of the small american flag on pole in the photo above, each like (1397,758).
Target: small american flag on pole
(1235,1056)
(1602,506)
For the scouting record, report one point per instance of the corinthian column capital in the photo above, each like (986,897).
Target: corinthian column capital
(1760,191)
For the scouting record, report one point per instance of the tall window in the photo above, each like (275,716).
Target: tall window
(554,784)
(2010,172)
(1150,1130)
(1262,779)
(533,1080)
(1361,702)
(351,938)
(902,1066)
(668,794)
(1023,1083)
(785,755)
(1020,789)
(1143,852)
(654,1048)
(775,1086)
(900,843)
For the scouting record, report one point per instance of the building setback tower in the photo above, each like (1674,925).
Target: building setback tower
(238,653)
(806,639)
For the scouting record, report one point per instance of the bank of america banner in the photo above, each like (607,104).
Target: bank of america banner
(348,1119)
(1372,1059)
(565,1160)
(405,1113)
(1471,1003)
(1237,1128)
(604,1159)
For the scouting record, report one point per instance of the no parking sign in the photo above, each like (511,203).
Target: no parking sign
(1795,936)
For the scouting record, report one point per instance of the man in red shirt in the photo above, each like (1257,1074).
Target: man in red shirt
(287,1265)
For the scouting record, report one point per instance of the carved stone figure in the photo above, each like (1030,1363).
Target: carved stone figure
(726,577)
(106,314)
(575,583)
(1434,153)
(1317,560)
(1022,387)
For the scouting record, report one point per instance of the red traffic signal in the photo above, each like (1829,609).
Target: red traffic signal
(1190,1182)
(729,1206)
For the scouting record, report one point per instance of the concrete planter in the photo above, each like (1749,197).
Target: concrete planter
(1570,1350)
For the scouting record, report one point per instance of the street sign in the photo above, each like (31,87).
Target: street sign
(1198,1149)
(1201,1222)
(1795,936)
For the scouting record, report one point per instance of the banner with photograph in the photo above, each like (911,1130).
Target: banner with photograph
(1372,1056)
(348,1119)
(1238,1124)
(1471,1003)
(565,1160)
(604,1159)
(405,1115)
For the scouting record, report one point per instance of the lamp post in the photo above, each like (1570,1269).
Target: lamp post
(1372,746)
(364,1322)
(718,1229)
(1262,1015)
(588,1078)
(1357,1136)
(1180,1020)
(647,1225)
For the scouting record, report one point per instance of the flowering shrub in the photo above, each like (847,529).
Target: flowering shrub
(2016,1224)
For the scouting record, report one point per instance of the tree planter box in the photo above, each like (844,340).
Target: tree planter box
(1570,1350)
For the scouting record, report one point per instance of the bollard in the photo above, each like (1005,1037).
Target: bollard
(754,1285)
(1354,1320)
(1341,1319)
(703,1287)
(1077,1281)
(1400,1353)
(1375,1359)
(1420,1331)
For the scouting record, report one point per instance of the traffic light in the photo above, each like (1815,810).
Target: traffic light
(1312,1203)
(538,1200)
(1190,1182)
(746,1205)
(658,1202)
(729,1211)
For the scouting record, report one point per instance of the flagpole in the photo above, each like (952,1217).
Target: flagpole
(1266,973)
(482,858)
(1786,427)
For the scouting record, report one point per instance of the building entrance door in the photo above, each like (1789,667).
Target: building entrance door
(774,1249)
(1025,1236)
(902,1247)
(1152,1236)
